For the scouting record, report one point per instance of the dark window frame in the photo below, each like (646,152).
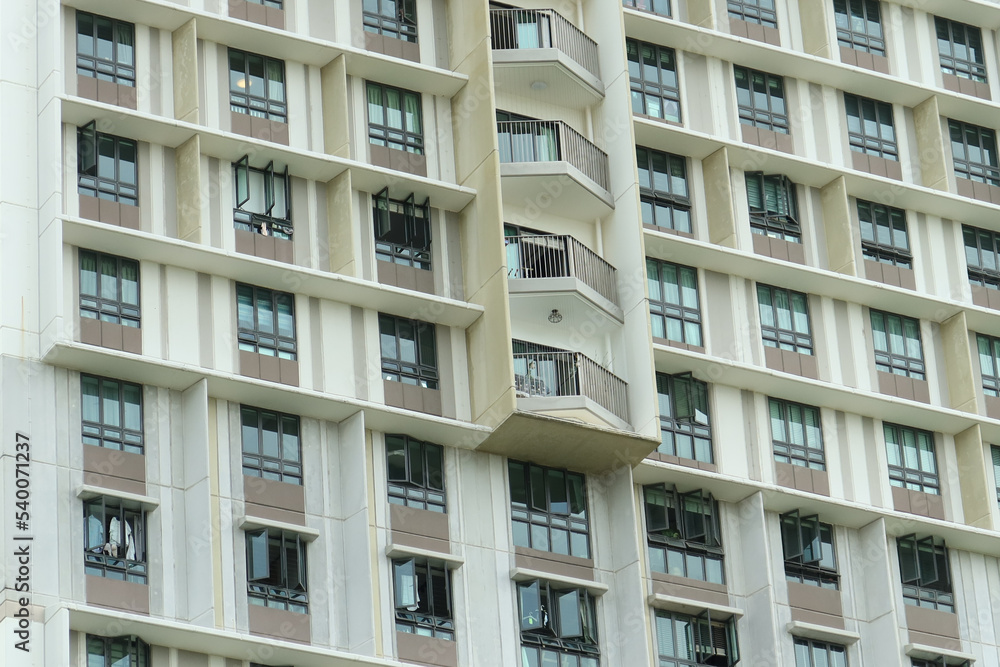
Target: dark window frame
(383,133)
(429,614)
(272,104)
(271,343)
(269,221)
(288,589)
(884,234)
(990,372)
(545,627)
(774,206)
(762,12)
(665,89)
(418,371)
(101,557)
(657,7)
(801,451)
(775,335)
(903,473)
(533,517)
(131,646)
(774,116)
(982,256)
(665,195)
(402,230)
(925,572)
(871,38)
(111,434)
(683,423)
(970,146)
(120,187)
(709,641)
(879,140)
(402,24)
(940,661)
(420,486)
(805,541)
(280,468)
(812,645)
(664,311)
(120,309)
(954,37)
(684,533)
(890,360)
(120,67)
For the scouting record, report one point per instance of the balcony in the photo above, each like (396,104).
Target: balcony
(547,162)
(547,272)
(539,53)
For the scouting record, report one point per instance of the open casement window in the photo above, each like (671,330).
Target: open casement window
(940,661)
(800,538)
(276,569)
(130,651)
(423,598)
(715,641)
(690,399)
(689,516)
(919,563)
(773,206)
(86,149)
(402,230)
(561,613)
(114,540)
(263,204)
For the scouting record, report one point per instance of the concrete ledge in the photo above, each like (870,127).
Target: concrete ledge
(524,574)
(393,550)
(254,522)
(692,607)
(88,491)
(925,652)
(822,633)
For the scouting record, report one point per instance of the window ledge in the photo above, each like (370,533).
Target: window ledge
(925,652)
(692,607)
(450,560)
(822,633)
(525,574)
(88,491)
(255,522)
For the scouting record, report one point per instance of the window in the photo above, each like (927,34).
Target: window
(685,428)
(812,653)
(883,234)
(415,472)
(682,531)
(392,18)
(859,25)
(784,319)
(940,661)
(257,86)
(660,7)
(549,509)
(402,230)
(960,49)
(423,598)
(982,256)
(276,570)
(409,353)
(394,118)
(683,640)
(807,544)
(106,166)
(797,434)
(117,652)
(989,363)
(263,202)
(109,288)
(275,4)
(912,463)
(271,447)
(112,413)
(652,71)
(995,455)
(760,98)
(897,345)
(923,569)
(266,321)
(774,209)
(869,127)
(754,11)
(974,152)
(115,540)
(673,302)
(663,189)
(105,49)
(558,626)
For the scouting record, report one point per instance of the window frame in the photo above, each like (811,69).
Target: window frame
(980,273)
(973,68)
(882,143)
(685,420)
(538,515)
(288,593)
(903,474)
(424,493)
(666,89)
(253,339)
(136,649)
(650,6)
(119,68)
(801,538)
(270,105)
(774,335)
(383,134)
(865,40)
(801,453)
(106,309)
(679,312)
(673,536)
(701,632)
(873,219)
(990,375)
(402,25)
(106,434)
(828,648)
(995,457)
(396,369)
(903,363)
(413,224)
(962,151)
(775,116)
(423,615)
(281,468)
(269,222)
(554,632)
(940,661)
(774,211)
(97,559)
(660,205)
(90,182)
(931,589)
(761,12)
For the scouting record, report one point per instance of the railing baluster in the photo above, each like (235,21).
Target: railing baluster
(561,256)
(548,23)
(560,141)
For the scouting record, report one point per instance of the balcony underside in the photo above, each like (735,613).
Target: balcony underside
(557,186)
(582,308)
(522,72)
(558,441)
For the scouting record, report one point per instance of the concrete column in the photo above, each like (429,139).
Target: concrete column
(336,128)
(875,582)
(815,34)
(749,523)
(195,540)
(188,164)
(958,363)
(185,72)
(343,235)
(837,223)
(977,494)
(702,13)
(931,148)
(719,199)
(361,594)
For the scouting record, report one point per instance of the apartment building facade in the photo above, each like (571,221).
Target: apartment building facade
(452,332)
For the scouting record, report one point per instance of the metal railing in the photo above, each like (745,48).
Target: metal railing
(542,29)
(560,256)
(570,374)
(551,141)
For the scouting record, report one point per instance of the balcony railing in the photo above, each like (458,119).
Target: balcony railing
(542,29)
(551,141)
(560,256)
(560,373)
